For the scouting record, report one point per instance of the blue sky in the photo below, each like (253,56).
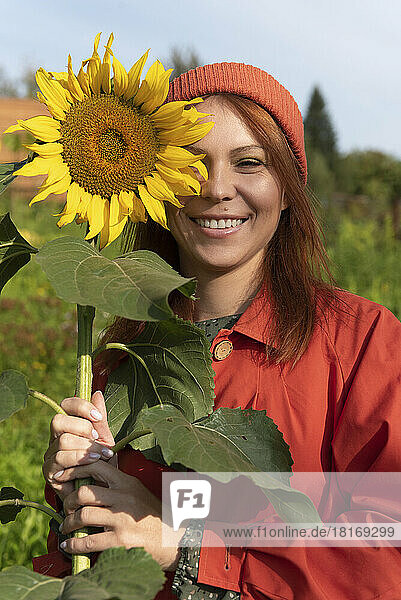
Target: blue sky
(350,48)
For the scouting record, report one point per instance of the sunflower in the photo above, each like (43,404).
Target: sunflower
(112,144)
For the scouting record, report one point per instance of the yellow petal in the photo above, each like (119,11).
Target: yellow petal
(117,219)
(41,97)
(173,156)
(181,190)
(66,218)
(57,171)
(134,76)
(107,65)
(94,68)
(182,136)
(138,212)
(154,88)
(160,190)
(52,90)
(46,150)
(95,214)
(83,80)
(104,234)
(73,198)
(201,167)
(73,83)
(120,77)
(39,166)
(172,110)
(155,208)
(126,200)
(188,181)
(71,206)
(44,128)
(83,206)
(59,187)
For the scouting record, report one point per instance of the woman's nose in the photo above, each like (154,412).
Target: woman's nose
(219,185)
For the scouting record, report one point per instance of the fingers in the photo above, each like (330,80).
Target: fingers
(102,425)
(91,543)
(100,471)
(78,426)
(88,495)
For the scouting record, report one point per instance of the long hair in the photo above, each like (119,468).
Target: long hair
(295,271)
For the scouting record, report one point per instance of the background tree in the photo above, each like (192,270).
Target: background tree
(183,61)
(319,130)
(377,177)
(8,89)
(28,83)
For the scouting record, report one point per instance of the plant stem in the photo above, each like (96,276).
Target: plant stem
(46,509)
(132,436)
(85,317)
(43,398)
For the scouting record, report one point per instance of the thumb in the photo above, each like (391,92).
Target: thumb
(102,427)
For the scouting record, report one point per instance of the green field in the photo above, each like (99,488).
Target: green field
(37,337)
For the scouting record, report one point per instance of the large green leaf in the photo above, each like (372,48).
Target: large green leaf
(126,574)
(135,286)
(217,449)
(15,251)
(178,371)
(255,434)
(7,170)
(19,583)
(9,513)
(118,574)
(13,393)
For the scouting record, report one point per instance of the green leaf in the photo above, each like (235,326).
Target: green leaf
(19,583)
(15,251)
(178,371)
(217,449)
(9,513)
(7,170)
(13,393)
(256,435)
(135,286)
(125,574)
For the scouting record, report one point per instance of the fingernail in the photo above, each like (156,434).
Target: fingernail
(61,528)
(96,414)
(63,545)
(94,455)
(95,434)
(58,474)
(107,452)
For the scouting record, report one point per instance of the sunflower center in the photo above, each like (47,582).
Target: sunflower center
(112,145)
(108,145)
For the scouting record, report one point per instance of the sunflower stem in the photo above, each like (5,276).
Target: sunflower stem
(27,503)
(85,317)
(43,398)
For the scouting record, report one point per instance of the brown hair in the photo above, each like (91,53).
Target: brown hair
(295,263)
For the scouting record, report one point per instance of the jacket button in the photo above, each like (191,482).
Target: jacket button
(222,350)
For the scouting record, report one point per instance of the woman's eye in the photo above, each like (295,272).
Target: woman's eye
(250,162)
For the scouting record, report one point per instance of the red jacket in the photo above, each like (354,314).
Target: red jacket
(339,409)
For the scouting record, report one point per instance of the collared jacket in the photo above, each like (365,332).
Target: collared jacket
(339,409)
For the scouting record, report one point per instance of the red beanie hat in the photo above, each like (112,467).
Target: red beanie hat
(253,83)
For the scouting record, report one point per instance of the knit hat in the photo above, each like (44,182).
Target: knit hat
(253,83)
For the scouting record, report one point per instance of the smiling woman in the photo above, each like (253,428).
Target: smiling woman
(322,362)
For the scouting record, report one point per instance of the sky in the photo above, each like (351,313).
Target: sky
(351,49)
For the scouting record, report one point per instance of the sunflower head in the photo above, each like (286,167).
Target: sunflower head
(112,144)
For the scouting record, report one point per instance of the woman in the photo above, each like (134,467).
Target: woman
(322,362)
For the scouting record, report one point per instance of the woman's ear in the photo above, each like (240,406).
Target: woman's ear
(284,202)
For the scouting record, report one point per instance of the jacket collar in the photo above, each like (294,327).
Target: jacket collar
(255,319)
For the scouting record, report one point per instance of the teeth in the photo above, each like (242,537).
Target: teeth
(220,224)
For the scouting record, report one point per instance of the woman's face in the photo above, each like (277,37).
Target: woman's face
(241,185)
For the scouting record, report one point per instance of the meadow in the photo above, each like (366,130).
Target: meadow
(37,337)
